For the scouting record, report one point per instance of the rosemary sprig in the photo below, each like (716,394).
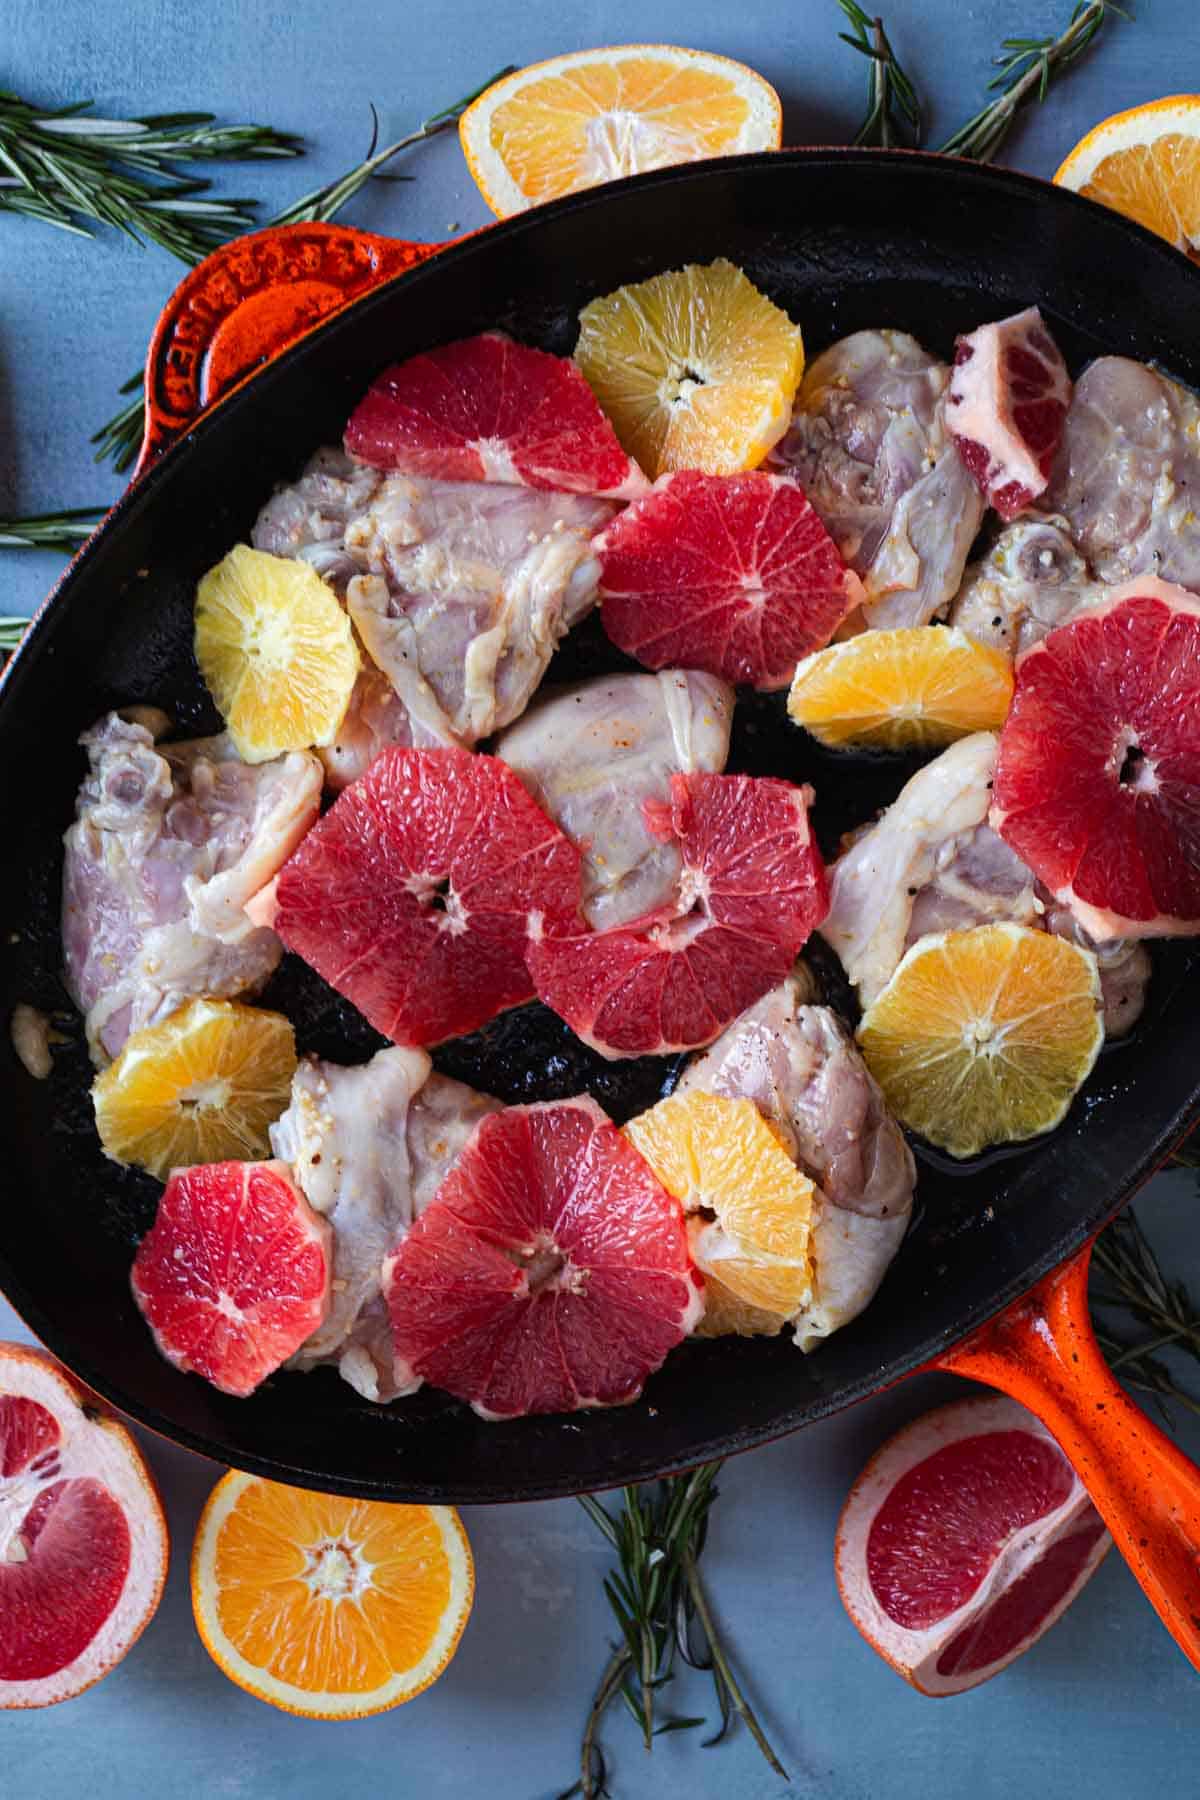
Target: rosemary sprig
(663,1614)
(1027,67)
(1127,1277)
(11,633)
(66,165)
(120,440)
(893,117)
(50,531)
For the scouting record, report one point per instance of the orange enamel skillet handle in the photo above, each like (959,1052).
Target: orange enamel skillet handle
(1043,1352)
(247,302)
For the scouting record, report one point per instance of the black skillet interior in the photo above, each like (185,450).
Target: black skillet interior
(842,240)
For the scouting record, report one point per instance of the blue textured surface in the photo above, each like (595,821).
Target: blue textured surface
(1105,1705)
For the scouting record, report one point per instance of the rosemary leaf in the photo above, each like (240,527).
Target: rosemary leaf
(50,531)
(11,633)
(1127,1278)
(893,117)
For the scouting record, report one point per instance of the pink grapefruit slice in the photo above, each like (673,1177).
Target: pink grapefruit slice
(965,1537)
(752,889)
(234,1274)
(1008,398)
(488,409)
(83,1540)
(1097,782)
(416,894)
(734,574)
(551,1271)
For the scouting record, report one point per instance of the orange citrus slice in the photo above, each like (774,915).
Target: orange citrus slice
(918,687)
(596,115)
(328,1607)
(719,1157)
(1145,163)
(276,650)
(984,1036)
(201,1087)
(695,368)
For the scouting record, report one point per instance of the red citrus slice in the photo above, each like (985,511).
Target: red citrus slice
(487,409)
(83,1540)
(731,573)
(752,888)
(414,896)
(550,1272)
(1008,398)
(1097,781)
(965,1537)
(234,1274)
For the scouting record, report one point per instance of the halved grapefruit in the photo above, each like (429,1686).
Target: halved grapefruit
(752,889)
(83,1540)
(731,573)
(488,409)
(1008,398)
(1097,781)
(415,895)
(551,1271)
(234,1273)
(965,1537)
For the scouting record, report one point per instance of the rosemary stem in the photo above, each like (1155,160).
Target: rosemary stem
(610,1681)
(1149,1346)
(721,1663)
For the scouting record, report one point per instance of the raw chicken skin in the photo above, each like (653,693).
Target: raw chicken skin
(869,446)
(1030,582)
(1127,475)
(799,1065)
(170,843)
(593,756)
(369,1147)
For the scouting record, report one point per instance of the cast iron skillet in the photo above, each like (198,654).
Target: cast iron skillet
(842,240)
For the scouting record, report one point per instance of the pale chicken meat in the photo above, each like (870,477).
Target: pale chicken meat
(799,1065)
(169,844)
(369,1146)
(1029,582)
(594,756)
(868,444)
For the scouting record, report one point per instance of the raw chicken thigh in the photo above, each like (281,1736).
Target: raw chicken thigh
(369,1147)
(800,1067)
(868,444)
(1127,475)
(169,843)
(593,755)
(1030,582)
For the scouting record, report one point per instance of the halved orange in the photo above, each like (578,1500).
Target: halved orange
(324,1606)
(595,115)
(1145,164)
(695,368)
(917,687)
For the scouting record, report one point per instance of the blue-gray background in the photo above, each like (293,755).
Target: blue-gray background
(1105,1706)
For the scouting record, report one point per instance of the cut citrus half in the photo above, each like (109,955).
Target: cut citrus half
(963,1540)
(416,894)
(1098,772)
(695,368)
(83,1540)
(328,1607)
(488,409)
(276,650)
(1005,409)
(719,1156)
(551,1271)
(201,1087)
(1145,164)
(752,889)
(732,574)
(985,1036)
(234,1274)
(920,686)
(596,115)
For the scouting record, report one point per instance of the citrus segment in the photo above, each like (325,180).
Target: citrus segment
(920,686)
(719,1156)
(732,574)
(1145,164)
(324,1606)
(695,368)
(596,115)
(201,1087)
(276,650)
(551,1271)
(984,1036)
(1005,409)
